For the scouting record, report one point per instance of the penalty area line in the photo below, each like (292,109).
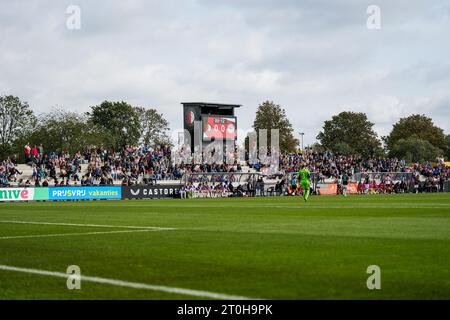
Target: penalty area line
(127,284)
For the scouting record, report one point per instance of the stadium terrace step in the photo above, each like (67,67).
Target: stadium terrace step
(27,172)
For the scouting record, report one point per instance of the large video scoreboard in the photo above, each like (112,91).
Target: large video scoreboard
(219,127)
(217,121)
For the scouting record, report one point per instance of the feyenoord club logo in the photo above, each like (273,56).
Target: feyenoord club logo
(190,117)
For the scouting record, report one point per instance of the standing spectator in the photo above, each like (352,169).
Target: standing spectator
(27,152)
(35,154)
(441,183)
(41,150)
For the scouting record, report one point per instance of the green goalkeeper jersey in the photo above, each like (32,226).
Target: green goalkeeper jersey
(304,175)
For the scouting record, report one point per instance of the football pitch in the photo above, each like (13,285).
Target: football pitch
(257,248)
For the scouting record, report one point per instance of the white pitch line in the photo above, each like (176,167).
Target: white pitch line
(74,234)
(134,285)
(86,225)
(294,206)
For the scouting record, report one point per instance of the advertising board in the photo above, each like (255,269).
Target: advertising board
(151,192)
(84,193)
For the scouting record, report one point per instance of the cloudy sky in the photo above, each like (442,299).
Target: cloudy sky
(315,58)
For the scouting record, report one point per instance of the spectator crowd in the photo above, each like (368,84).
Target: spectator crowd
(148,164)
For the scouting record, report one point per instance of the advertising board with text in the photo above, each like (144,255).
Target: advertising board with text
(84,193)
(23,194)
(151,192)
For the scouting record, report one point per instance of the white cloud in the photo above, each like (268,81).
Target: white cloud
(315,58)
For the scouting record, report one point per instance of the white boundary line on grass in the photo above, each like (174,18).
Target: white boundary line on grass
(134,285)
(73,234)
(86,225)
(310,205)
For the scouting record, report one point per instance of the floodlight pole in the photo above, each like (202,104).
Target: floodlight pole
(302,134)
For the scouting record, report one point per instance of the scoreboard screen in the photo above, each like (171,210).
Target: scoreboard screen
(219,127)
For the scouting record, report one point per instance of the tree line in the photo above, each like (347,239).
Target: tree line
(413,138)
(117,124)
(112,125)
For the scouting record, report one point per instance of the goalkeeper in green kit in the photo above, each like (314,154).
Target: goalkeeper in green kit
(304,175)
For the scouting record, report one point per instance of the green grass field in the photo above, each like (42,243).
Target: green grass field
(267,248)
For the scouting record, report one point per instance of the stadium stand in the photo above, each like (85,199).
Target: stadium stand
(147,165)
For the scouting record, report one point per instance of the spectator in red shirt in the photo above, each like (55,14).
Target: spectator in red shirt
(26,152)
(35,153)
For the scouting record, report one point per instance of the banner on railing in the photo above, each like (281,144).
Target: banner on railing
(151,192)
(332,188)
(327,188)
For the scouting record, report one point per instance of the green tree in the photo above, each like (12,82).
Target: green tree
(61,130)
(16,117)
(420,126)
(344,148)
(414,149)
(350,133)
(317,147)
(154,127)
(119,121)
(271,116)
(448,147)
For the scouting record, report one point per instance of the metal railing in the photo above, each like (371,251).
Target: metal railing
(378,176)
(216,177)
